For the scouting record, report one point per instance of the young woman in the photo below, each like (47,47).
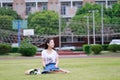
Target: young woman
(50,58)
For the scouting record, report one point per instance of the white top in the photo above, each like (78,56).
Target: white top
(49,58)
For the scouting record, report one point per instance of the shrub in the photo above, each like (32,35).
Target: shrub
(14,49)
(105,47)
(6,22)
(87,49)
(4,48)
(113,47)
(119,47)
(96,48)
(27,49)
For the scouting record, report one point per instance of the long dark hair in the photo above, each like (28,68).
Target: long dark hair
(47,41)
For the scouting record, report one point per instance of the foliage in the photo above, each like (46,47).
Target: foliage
(4,48)
(27,49)
(14,50)
(6,22)
(7,15)
(113,47)
(105,47)
(96,48)
(63,24)
(111,16)
(87,49)
(9,12)
(119,47)
(79,21)
(45,22)
(113,13)
(78,27)
(87,7)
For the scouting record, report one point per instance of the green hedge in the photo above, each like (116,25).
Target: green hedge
(105,47)
(27,49)
(113,47)
(4,48)
(87,49)
(96,48)
(119,47)
(14,50)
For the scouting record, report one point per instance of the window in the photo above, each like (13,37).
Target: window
(80,39)
(63,10)
(77,4)
(63,7)
(7,5)
(28,7)
(98,39)
(44,6)
(63,39)
(65,3)
(66,39)
(100,2)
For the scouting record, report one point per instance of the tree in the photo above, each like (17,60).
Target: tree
(6,17)
(111,16)
(88,7)
(78,23)
(6,22)
(44,23)
(9,12)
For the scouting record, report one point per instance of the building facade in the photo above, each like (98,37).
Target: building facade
(67,8)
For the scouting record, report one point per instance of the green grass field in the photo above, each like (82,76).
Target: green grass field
(81,69)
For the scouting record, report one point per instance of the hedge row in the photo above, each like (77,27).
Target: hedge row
(114,47)
(4,48)
(25,49)
(97,48)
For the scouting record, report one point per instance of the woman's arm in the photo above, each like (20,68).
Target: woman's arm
(43,62)
(57,61)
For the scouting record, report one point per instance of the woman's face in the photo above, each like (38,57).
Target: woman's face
(51,44)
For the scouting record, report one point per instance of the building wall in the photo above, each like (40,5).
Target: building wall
(68,7)
(53,5)
(20,7)
(88,1)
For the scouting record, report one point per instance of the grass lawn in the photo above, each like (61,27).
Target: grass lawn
(81,69)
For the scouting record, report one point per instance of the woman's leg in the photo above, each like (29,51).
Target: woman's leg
(64,71)
(60,71)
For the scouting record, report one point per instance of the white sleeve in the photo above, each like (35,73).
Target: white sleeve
(57,55)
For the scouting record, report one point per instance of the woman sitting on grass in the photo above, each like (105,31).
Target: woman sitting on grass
(50,59)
